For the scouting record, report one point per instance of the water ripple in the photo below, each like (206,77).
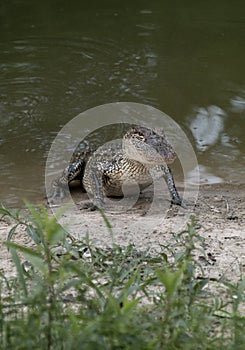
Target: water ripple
(47,81)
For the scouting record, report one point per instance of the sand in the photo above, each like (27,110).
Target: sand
(219,216)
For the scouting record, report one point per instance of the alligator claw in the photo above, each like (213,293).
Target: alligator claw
(57,195)
(182,202)
(89,206)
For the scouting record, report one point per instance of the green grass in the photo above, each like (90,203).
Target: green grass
(70,294)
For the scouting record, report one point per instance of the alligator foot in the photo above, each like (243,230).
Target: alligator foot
(97,203)
(177,201)
(182,202)
(57,195)
(89,206)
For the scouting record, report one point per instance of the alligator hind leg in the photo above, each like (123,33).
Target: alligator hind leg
(60,186)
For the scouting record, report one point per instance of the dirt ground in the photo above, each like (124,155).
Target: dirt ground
(219,213)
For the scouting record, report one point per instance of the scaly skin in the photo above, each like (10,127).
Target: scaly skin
(143,156)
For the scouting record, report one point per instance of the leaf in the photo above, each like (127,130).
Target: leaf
(129,305)
(34,257)
(55,233)
(86,279)
(241,286)
(5,212)
(21,248)
(131,281)
(199,285)
(14,214)
(170,280)
(5,279)
(32,233)
(223,314)
(19,268)
(37,262)
(164,256)
(12,232)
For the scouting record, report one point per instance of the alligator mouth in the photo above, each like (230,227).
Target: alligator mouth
(168,157)
(163,153)
(162,149)
(150,155)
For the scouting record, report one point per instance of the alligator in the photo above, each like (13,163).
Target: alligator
(143,156)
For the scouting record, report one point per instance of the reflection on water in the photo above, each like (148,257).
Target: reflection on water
(207,127)
(220,151)
(58,60)
(206,176)
(238,103)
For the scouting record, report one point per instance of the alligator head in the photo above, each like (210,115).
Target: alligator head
(148,146)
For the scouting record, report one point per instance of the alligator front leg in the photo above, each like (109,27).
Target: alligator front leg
(168,177)
(95,189)
(98,199)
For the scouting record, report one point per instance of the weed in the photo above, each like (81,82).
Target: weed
(70,294)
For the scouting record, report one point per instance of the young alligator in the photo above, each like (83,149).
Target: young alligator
(143,156)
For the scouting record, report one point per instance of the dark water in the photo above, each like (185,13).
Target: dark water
(59,58)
